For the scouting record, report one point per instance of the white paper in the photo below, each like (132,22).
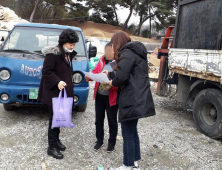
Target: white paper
(100,77)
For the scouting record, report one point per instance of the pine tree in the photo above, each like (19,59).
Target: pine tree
(160,10)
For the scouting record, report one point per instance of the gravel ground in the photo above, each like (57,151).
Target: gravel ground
(169,141)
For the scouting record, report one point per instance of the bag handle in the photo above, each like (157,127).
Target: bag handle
(60,94)
(65,94)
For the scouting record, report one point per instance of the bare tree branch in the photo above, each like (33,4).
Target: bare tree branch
(35,9)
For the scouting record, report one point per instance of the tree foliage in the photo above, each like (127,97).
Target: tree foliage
(161,12)
(166,16)
(106,10)
(43,8)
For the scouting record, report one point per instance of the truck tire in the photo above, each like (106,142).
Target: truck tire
(207,112)
(80,108)
(8,107)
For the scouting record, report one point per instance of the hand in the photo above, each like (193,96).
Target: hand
(106,72)
(61,85)
(110,83)
(87,79)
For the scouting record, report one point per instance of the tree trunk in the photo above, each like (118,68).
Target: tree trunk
(114,8)
(137,31)
(21,9)
(129,16)
(141,23)
(47,13)
(54,16)
(90,4)
(35,9)
(150,23)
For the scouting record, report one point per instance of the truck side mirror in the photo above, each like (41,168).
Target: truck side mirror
(1,43)
(2,38)
(92,51)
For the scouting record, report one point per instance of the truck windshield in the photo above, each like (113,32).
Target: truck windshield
(32,39)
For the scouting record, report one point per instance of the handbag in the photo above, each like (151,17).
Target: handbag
(62,111)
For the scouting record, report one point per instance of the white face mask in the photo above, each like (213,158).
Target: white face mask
(67,50)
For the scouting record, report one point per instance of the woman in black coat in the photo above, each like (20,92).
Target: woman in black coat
(135,100)
(56,74)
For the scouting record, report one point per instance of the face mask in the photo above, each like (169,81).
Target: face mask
(67,50)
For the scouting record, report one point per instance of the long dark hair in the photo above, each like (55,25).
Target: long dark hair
(118,40)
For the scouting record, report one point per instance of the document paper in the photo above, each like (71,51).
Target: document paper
(100,77)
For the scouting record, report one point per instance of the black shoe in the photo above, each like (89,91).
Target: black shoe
(54,152)
(98,146)
(60,146)
(110,147)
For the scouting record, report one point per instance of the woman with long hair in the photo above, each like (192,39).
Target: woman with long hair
(135,100)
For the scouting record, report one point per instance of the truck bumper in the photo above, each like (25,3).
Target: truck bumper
(19,95)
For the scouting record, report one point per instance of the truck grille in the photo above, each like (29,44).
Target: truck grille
(25,99)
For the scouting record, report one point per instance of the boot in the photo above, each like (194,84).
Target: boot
(54,152)
(60,146)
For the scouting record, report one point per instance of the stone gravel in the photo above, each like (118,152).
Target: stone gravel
(169,140)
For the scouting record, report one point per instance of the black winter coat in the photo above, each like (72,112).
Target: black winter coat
(55,69)
(135,100)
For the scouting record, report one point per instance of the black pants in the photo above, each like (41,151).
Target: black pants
(53,134)
(102,105)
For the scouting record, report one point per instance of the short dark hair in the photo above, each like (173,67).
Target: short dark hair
(107,45)
(68,36)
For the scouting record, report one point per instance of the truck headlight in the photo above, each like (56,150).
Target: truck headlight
(75,99)
(4,97)
(4,75)
(77,78)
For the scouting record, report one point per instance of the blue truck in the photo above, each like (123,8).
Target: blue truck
(21,62)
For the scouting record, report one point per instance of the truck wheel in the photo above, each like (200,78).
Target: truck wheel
(8,107)
(80,108)
(207,112)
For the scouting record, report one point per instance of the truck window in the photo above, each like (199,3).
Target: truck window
(14,39)
(33,39)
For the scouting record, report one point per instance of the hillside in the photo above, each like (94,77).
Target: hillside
(103,31)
